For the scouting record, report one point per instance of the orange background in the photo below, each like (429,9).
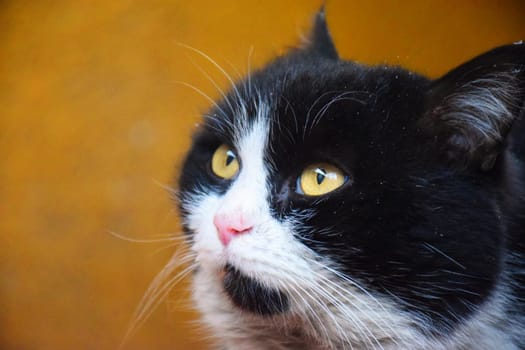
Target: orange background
(93,124)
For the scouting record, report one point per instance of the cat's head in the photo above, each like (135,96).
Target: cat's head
(345,195)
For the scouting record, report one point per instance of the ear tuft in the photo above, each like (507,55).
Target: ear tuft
(471,109)
(321,42)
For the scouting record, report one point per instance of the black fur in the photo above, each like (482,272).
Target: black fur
(250,295)
(432,212)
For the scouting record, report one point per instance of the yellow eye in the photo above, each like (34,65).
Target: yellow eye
(321,178)
(224,162)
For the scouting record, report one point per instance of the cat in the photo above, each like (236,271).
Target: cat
(334,205)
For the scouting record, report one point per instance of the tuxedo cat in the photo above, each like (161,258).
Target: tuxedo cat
(333,205)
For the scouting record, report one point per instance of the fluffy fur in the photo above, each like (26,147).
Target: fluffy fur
(422,248)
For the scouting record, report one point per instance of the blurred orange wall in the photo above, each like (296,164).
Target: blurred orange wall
(93,125)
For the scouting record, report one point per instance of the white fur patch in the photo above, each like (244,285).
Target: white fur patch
(253,254)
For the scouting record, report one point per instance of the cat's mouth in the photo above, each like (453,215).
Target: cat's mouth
(250,295)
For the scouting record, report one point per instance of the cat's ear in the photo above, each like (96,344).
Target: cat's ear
(320,41)
(471,109)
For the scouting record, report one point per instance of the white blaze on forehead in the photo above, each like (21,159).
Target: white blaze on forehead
(248,193)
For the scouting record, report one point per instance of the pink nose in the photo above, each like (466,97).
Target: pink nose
(229,226)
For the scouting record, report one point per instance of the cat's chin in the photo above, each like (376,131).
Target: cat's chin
(251,296)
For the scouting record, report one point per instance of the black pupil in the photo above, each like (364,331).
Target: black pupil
(321,174)
(230,156)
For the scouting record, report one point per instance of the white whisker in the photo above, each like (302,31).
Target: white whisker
(159,288)
(436,250)
(171,238)
(216,65)
(203,94)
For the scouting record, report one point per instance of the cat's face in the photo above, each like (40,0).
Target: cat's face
(323,191)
